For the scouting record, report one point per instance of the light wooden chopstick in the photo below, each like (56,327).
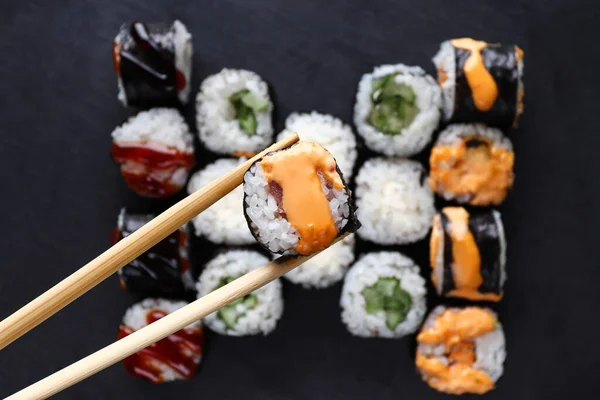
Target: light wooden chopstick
(152,333)
(126,250)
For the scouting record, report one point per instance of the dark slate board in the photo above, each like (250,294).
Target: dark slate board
(61,193)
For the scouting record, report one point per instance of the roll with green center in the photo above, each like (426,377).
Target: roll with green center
(383,296)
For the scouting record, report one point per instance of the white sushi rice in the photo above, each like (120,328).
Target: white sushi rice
(217,127)
(135,318)
(395,204)
(274,231)
(260,319)
(454,135)
(445,61)
(182,43)
(224,221)
(163,126)
(415,137)
(326,268)
(490,351)
(328,131)
(366,272)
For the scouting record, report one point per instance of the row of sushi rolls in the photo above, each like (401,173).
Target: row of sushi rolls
(297,201)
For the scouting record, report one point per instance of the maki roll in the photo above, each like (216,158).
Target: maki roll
(326,268)
(481,82)
(296,201)
(255,313)
(223,222)
(328,131)
(153,63)
(383,296)
(468,254)
(472,164)
(395,204)
(175,357)
(461,350)
(155,152)
(397,109)
(164,270)
(234,113)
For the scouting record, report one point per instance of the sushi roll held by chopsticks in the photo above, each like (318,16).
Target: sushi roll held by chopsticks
(481,82)
(296,201)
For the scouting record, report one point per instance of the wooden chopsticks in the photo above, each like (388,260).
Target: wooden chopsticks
(171,323)
(127,249)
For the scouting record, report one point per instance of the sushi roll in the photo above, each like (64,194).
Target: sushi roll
(472,164)
(481,82)
(155,152)
(175,357)
(296,201)
(164,270)
(253,314)
(153,62)
(223,222)
(383,296)
(328,131)
(326,268)
(461,350)
(397,109)
(234,113)
(468,254)
(395,204)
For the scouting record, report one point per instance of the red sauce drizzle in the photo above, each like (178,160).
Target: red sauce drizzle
(180,80)
(117,57)
(148,169)
(179,351)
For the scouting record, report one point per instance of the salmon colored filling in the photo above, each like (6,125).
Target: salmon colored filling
(296,171)
(483,173)
(456,331)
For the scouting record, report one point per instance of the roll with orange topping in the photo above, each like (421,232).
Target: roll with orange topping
(468,254)
(461,350)
(296,200)
(481,82)
(472,163)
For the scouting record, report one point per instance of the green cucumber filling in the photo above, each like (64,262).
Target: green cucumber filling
(230,314)
(394,105)
(386,295)
(246,104)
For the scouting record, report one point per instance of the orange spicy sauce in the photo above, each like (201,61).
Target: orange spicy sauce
(437,234)
(456,330)
(485,173)
(180,351)
(305,205)
(466,265)
(483,86)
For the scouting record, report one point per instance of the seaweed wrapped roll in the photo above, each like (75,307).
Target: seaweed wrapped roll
(155,152)
(163,270)
(153,62)
(397,109)
(175,357)
(234,113)
(255,313)
(481,82)
(296,201)
(472,163)
(461,350)
(468,254)
(383,296)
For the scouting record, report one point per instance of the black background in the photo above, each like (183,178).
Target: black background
(61,193)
